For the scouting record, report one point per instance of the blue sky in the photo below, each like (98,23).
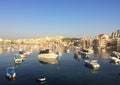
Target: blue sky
(68,18)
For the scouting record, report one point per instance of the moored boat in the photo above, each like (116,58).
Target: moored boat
(92,64)
(18,58)
(115,57)
(115,54)
(84,53)
(40,78)
(10,72)
(47,54)
(114,60)
(67,51)
(23,54)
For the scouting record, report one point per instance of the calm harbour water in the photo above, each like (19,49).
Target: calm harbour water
(68,71)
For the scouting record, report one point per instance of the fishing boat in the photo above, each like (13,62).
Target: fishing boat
(18,58)
(10,72)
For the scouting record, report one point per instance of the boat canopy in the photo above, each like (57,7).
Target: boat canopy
(17,56)
(21,52)
(84,51)
(115,54)
(44,51)
(11,70)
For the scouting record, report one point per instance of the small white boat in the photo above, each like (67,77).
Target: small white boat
(23,54)
(10,72)
(67,51)
(92,63)
(18,58)
(115,57)
(84,53)
(90,50)
(40,78)
(115,60)
(28,52)
(115,54)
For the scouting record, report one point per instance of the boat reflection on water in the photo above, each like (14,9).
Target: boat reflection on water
(77,57)
(48,60)
(17,65)
(114,63)
(59,53)
(94,70)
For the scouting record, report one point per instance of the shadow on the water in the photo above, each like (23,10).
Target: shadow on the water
(10,79)
(17,64)
(114,63)
(119,74)
(41,83)
(42,62)
(77,57)
(94,71)
(48,61)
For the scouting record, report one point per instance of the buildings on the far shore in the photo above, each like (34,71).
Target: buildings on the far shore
(115,35)
(103,41)
(100,42)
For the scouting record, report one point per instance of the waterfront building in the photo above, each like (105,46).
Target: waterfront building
(90,42)
(103,38)
(115,38)
(1,41)
(7,41)
(96,44)
(118,44)
(100,42)
(84,40)
(115,34)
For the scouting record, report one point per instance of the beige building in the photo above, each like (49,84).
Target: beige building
(1,40)
(103,38)
(115,34)
(118,43)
